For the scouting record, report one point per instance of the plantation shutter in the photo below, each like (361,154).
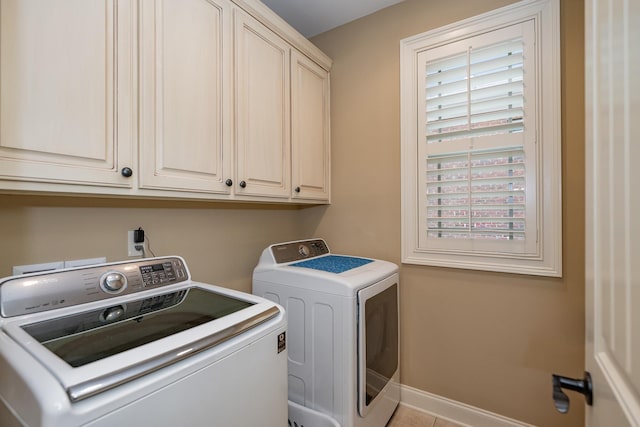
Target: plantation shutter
(479,92)
(477,150)
(477,195)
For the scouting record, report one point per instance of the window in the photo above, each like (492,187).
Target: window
(481,163)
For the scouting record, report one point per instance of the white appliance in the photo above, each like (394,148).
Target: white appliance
(138,343)
(342,329)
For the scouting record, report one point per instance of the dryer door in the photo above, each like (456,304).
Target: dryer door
(378,347)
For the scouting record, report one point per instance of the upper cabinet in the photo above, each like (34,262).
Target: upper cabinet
(282,116)
(201,99)
(66,83)
(310,132)
(263,149)
(185,107)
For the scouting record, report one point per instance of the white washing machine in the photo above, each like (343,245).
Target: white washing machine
(138,343)
(342,334)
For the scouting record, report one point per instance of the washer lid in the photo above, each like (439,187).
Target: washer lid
(98,349)
(86,337)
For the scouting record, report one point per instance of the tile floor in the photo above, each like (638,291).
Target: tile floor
(406,416)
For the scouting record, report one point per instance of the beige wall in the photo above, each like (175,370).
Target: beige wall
(486,339)
(220,242)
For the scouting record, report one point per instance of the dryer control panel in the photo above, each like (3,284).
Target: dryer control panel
(299,250)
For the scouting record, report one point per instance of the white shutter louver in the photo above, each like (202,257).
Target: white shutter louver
(479,92)
(477,195)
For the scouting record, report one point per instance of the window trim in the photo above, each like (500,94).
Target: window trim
(547,259)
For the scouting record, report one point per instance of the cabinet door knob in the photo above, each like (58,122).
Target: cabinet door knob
(297,189)
(228,183)
(243,184)
(126,172)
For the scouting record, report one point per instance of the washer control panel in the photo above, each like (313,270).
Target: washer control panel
(162,273)
(34,293)
(299,250)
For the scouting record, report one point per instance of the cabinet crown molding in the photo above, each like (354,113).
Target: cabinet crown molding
(266,16)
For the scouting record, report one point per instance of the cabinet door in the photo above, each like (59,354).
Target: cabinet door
(185,112)
(310,132)
(263,108)
(66,75)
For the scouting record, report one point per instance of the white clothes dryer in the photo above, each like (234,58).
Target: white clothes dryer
(343,329)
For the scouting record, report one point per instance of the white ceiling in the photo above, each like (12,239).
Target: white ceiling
(312,17)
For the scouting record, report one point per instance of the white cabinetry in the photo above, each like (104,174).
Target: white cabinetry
(282,116)
(66,80)
(185,107)
(310,131)
(263,152)
(201,99)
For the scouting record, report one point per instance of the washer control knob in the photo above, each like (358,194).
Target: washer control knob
(112,313)
(114,282)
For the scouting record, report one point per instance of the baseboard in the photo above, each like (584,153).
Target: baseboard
(459,413)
